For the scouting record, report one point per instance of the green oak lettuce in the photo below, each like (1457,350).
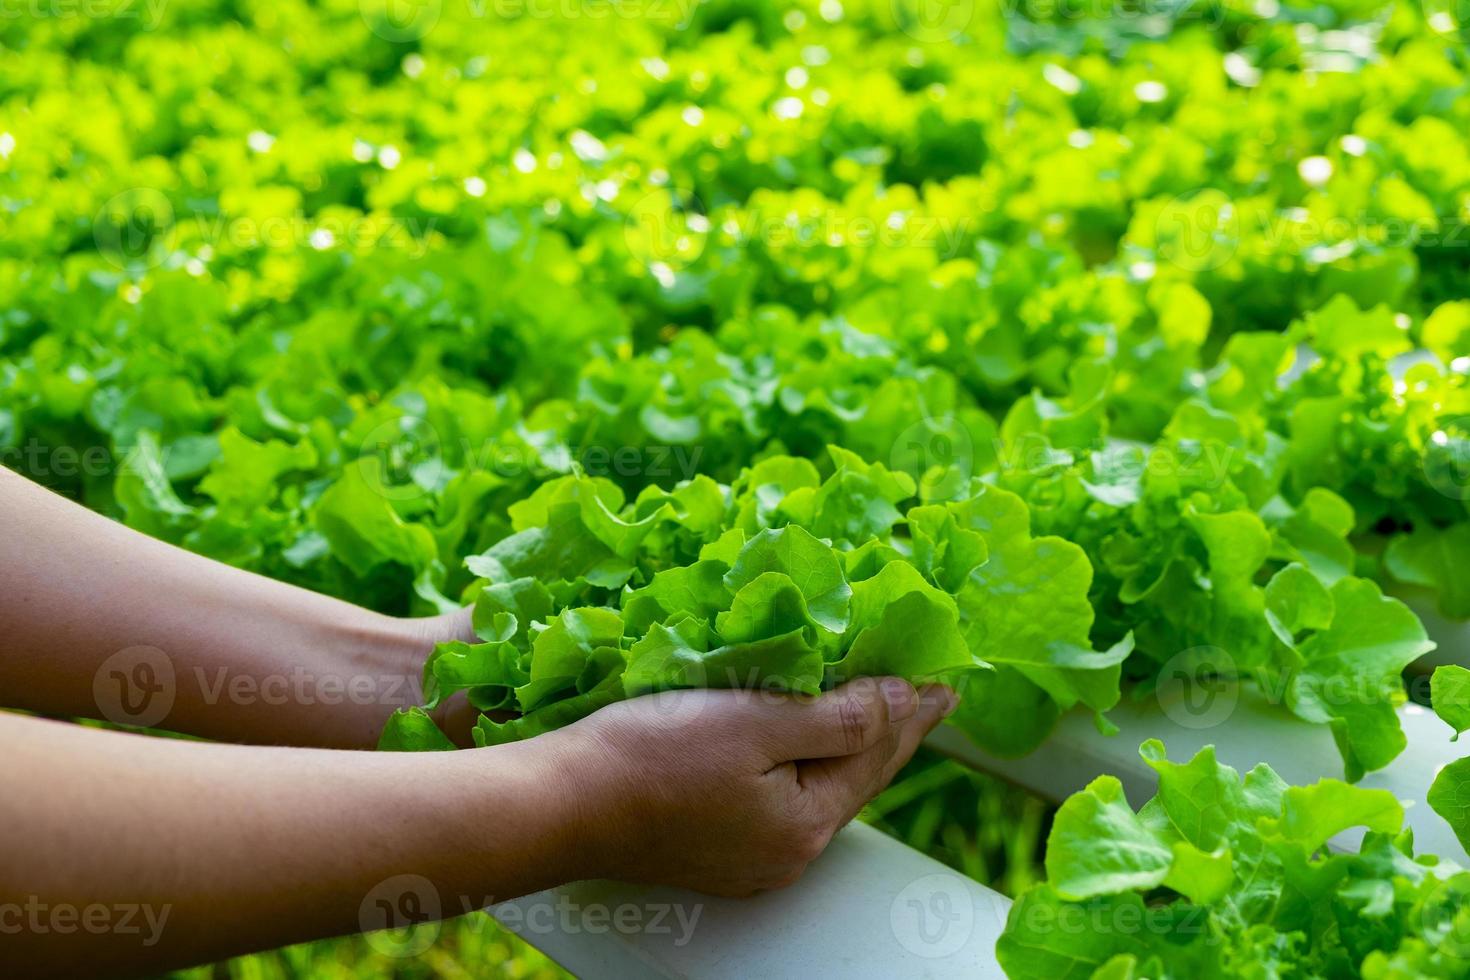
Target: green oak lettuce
(1220,875)
(782,581)
(1449,796)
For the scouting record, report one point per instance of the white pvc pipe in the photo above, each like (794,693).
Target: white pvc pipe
(1245,730)
(869,907)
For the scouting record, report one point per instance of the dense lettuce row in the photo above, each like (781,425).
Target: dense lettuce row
(1449,796)
(1195,539)
(769,344)
(783,581)
(1224,876)
(369,310)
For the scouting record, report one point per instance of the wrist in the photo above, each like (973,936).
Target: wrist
(379,661)
(405,643)
(530,820)
(395,650)
(418,637)
(584,789)
(423,632)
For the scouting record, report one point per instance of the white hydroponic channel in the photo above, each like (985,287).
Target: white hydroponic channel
(872,907)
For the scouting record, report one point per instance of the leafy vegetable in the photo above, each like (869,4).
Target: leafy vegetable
(330,337)
(774,344)
(1219,875)
(751,599)
(1449,796)
(1449,692)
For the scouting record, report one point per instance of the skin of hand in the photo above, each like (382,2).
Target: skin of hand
(232,848)
(734,792)
(88,606)
(240,847)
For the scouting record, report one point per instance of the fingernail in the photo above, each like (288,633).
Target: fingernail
(900,697)
(940,699)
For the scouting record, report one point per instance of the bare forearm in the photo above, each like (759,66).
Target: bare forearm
(223,849)
(100,621)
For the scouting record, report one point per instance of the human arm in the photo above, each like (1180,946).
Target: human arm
(224,849)
(100,621)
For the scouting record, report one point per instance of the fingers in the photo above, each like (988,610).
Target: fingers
(847,721)
(772,779)
(936,702)
(844,785)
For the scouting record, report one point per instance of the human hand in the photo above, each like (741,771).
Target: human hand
(455,716)
(733,792)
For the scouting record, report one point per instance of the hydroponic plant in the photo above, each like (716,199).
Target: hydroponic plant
(755,343)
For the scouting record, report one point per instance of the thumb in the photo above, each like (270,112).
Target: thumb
(849,720)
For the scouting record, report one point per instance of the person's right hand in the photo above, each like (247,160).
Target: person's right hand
(734,792)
